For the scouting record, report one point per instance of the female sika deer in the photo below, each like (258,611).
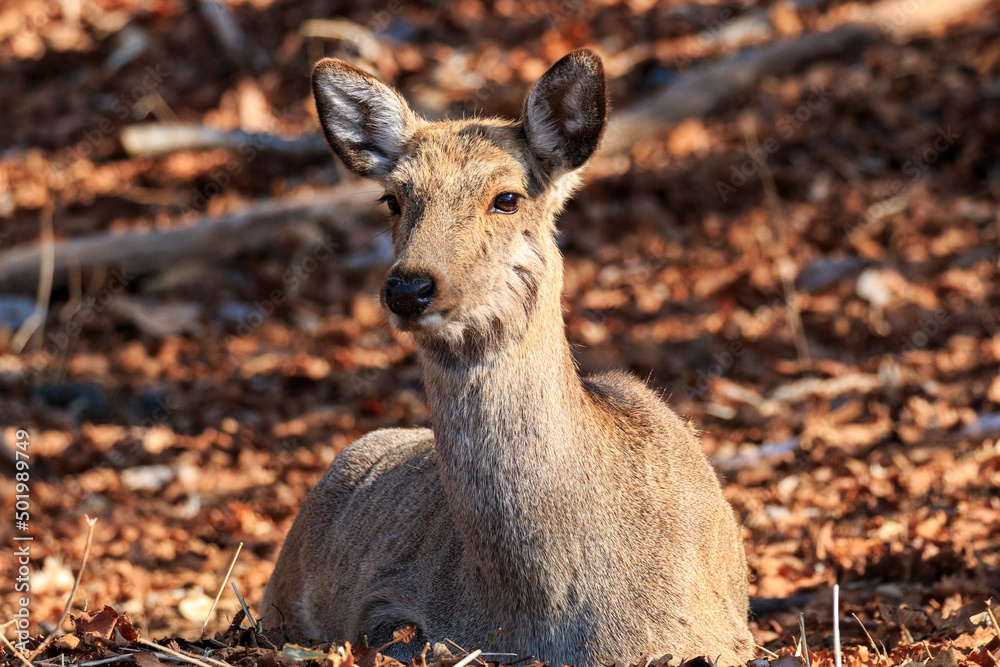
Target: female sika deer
(579,516)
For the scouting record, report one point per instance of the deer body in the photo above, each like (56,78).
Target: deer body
(578,516)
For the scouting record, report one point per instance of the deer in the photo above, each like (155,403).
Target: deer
(575,519)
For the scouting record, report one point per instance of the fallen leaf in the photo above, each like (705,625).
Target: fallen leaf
(96,624)
(195,606)
(981,618)
(405,634)
(147,659)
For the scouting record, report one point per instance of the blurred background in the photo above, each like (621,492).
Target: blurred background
(791,231)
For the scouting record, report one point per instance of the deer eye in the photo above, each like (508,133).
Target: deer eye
(392,202)
(505,202)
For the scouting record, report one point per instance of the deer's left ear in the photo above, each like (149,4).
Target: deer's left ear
(566,111)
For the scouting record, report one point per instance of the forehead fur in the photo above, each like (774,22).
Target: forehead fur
(468,154)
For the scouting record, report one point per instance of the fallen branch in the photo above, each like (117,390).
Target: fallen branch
(701,90)
(161,138)
(209,237)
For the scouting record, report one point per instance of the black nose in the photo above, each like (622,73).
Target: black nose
(408,297)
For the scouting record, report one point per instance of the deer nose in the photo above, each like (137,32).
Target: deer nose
(408,297)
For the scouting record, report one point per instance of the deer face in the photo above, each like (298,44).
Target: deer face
(472,203)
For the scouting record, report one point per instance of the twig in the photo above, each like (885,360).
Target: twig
(105,660)
(181,655)
(72,593)
(870,639)
(45,273)
(176,654)
(257,626)
(246,609)
(223,587)
(836,624)
(993,619)
(212,661)
(477,651)
(14,649)
(469,658)
(805,644)
(448,641)
(770,654)
(496,634)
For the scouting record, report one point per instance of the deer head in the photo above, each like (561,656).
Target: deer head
(472,202)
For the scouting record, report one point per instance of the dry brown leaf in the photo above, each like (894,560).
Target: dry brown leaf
(67,642)
(96,624)
(404,634)
(147,659)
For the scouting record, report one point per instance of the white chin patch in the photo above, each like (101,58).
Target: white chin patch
(428,321)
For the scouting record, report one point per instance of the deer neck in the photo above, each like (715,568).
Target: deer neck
(513,453)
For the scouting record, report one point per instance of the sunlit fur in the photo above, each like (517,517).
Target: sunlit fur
(579,517)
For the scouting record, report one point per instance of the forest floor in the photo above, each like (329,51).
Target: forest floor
(827,312)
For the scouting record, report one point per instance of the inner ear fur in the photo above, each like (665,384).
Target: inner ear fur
(566,111)
(366,123)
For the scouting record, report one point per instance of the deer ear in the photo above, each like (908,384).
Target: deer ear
(566,111)
(366,123)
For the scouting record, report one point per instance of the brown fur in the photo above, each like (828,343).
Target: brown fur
(579,516)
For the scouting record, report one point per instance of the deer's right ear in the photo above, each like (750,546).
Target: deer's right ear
(366,123)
